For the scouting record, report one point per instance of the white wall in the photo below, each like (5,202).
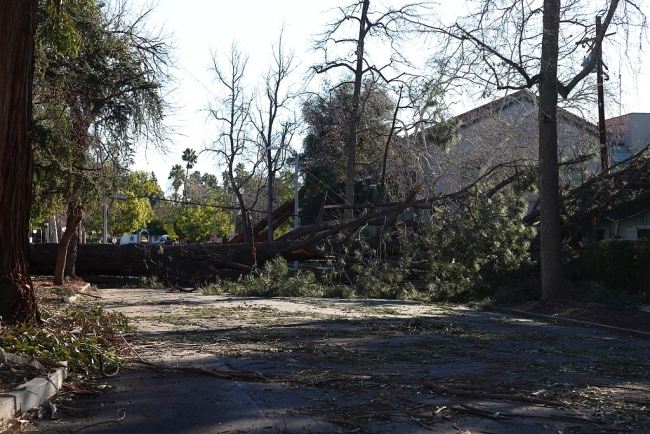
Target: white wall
(509,135)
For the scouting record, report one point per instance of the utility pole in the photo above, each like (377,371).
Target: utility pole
(602,129)
(296,193)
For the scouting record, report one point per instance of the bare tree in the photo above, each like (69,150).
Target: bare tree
(420,128)
(512,45)
(234,143)
(384,27)
(274,125)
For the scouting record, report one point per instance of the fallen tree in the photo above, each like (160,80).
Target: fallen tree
(173,264)
(200,263)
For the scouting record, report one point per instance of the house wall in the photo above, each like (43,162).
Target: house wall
(626,229)
(629,134)
(509,135)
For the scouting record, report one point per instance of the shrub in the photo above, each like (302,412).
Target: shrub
(460,252)
(619,265)
(375,276)
(273,280)
(469,246)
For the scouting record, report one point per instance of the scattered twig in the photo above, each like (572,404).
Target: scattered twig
(85,294)
(494,396)
(121,415)
(225,375)
(477,411)
(465,408)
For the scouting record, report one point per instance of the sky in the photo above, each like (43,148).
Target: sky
(198,28)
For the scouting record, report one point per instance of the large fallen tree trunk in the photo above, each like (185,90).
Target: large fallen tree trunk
(174,264)
(201,263)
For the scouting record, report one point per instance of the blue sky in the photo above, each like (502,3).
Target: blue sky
(199,27)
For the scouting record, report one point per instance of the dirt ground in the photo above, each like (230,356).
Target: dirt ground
(352,366)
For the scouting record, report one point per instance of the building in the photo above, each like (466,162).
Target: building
(501,137)
(503,134)
(628,135)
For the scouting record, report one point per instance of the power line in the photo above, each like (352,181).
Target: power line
(327,187)
(183,202)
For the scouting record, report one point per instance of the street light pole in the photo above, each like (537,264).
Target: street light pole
(105,224)
(116,196)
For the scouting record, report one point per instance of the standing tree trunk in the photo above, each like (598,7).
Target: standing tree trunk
(17,27)
(549,191)
(391,133)
(74,218)
(269,195)
(352,137)
(71,255)
(251,241)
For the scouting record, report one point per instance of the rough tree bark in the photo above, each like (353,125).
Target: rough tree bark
(550,236)
(71,255)
(74,218)
(17,27)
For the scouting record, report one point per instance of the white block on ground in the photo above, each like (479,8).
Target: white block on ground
(31,394)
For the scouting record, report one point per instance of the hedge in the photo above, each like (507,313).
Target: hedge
(619,265)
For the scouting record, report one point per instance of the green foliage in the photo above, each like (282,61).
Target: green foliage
(58,28)
(377,277)
(136,212)
(177,177)
(274,280)
(84,335)
(619,265)
(196,223)
(190,158)
(97,87)
(462,251)
(128,216)
(467,246)
(326,117)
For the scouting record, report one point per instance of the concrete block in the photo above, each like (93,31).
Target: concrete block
(31,394)
(7,407)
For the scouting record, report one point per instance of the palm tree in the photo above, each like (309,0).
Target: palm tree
(177,176)
(190,158)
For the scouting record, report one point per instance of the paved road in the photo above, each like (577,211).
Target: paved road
(361,366)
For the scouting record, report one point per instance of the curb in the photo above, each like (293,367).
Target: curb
(567,321)
(32,394)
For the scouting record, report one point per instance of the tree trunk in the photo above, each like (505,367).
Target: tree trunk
(549,192)
(17,27)
(382,183)
(351,145)
(187,264)
(269,195)
(74,218)
(251,241)
(71,255)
